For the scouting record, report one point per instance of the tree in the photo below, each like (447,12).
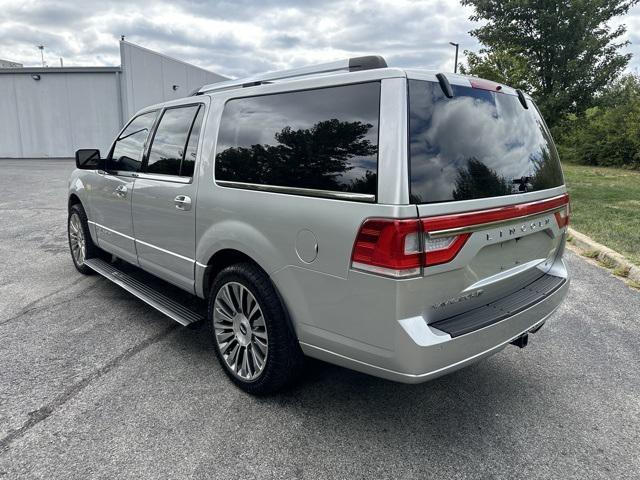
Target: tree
(500,66)
(608,134)
(569,47)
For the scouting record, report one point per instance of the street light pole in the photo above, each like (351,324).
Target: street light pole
(455,65)
(41,48)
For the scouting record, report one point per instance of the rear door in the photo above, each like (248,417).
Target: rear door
(111,189)
(486,178)
(165,195)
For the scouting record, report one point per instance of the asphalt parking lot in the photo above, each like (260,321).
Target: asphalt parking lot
(95,384)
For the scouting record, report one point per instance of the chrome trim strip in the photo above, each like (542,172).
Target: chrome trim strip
(165,178)
(201,265)
(481,226)
(387,272)
(182,257)
(111,230)
(120,173)
(361,197)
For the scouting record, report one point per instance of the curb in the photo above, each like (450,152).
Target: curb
(604,254)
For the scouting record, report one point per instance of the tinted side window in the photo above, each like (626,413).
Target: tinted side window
(127,152)
(324,139)
(170,140)
(192,147)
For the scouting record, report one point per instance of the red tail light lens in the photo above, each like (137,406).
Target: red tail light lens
(388,247)
(443,249)
(562,216)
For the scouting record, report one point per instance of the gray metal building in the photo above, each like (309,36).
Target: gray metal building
(9,64)
(51,112)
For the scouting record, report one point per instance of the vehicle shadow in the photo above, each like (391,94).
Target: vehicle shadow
(488,405)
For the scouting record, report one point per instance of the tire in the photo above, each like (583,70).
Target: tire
(236,326)
(78,235)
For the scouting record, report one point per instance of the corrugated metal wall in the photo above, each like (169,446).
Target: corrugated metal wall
(148,77)
(71,108)
(56,115)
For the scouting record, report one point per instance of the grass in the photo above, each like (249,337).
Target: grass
(606,206)
(607,263)
(621,271)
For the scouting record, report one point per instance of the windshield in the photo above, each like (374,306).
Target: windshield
(477,144)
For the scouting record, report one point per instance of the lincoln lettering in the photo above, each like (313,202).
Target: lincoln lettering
(511,231)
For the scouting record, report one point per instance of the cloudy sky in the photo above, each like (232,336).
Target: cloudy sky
(241,37)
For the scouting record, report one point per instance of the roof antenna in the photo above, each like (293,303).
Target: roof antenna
(445,85)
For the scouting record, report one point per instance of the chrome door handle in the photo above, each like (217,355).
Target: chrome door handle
(182,202)
(120,191)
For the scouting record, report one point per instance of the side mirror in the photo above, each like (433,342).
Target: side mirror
(89,159)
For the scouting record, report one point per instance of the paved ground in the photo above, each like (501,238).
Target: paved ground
(95,384)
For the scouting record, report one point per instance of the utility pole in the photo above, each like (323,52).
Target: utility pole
(41,48)
(455,65)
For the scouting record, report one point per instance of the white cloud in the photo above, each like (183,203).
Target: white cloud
(242,37)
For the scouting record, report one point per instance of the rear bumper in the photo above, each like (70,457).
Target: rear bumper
(422,352)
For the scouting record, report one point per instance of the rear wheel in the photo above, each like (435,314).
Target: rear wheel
(252,338)
(80,244)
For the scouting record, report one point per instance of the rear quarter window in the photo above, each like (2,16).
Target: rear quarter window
(322,139)
(477,144)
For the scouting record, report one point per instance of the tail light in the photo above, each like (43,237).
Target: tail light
(439,250)
(562,216)
(401,248)
(388,247)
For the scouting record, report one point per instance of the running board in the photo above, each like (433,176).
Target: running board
(157,300)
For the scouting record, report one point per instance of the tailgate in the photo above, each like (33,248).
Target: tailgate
(477,257)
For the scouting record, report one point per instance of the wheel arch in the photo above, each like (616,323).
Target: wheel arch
(219,261)
(73,200)
(230,256)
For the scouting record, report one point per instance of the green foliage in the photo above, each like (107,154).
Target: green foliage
(565,51)
(621,271)
(500,66)
(607,134)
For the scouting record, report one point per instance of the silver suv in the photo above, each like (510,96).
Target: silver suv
(403,223)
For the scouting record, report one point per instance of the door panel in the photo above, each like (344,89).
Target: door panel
(163,207)
(113,189)
(111,208)
(165,228)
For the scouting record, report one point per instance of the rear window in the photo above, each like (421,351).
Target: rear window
(477,144)
(323,139)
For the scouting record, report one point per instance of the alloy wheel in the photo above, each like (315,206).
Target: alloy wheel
(240,331)
(77,240)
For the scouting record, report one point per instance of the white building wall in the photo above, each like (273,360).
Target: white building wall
(71,108)
(61,112)
(148,77)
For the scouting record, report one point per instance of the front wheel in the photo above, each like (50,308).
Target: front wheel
(252,338)
(80,243)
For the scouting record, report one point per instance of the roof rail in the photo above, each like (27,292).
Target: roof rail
(350,64)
